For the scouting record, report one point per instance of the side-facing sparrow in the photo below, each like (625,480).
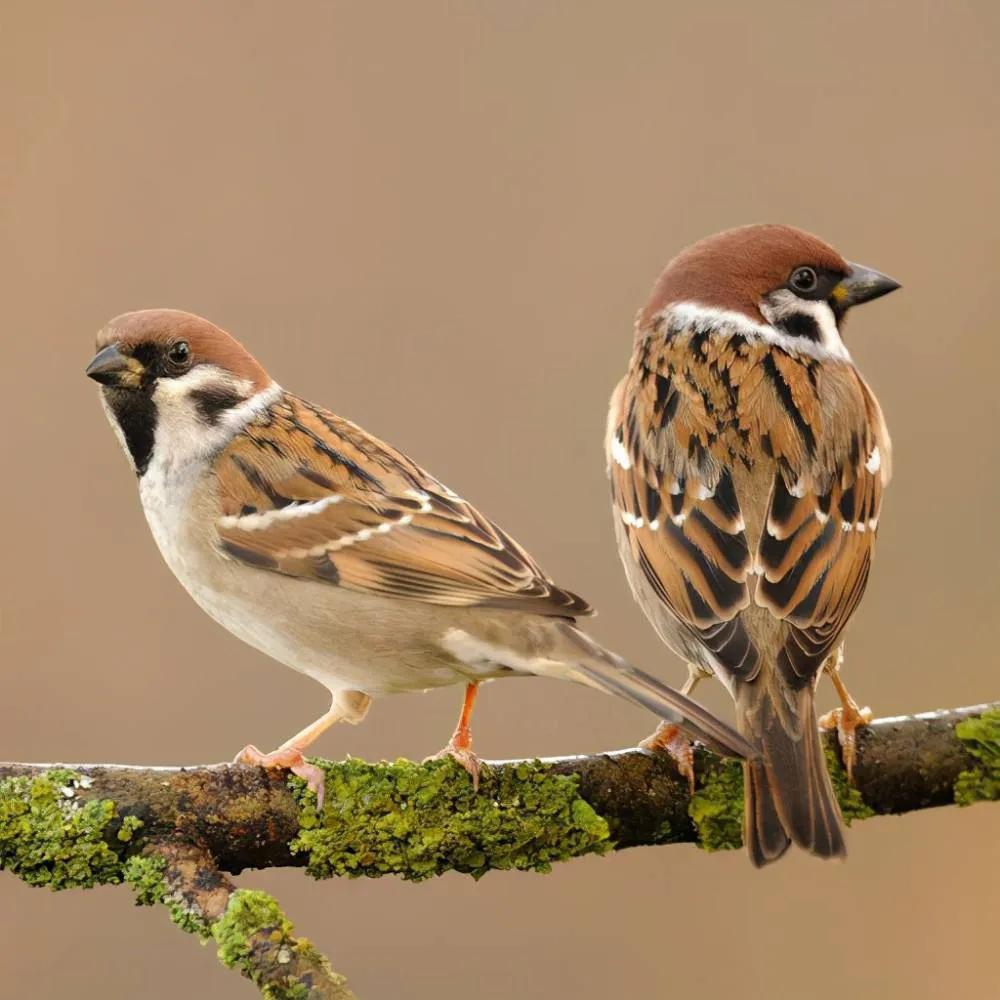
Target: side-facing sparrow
(329,550)
(747,458)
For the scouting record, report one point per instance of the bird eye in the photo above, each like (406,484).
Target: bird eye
(803,279)
(180,353)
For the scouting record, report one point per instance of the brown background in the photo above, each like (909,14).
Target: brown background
(439,219)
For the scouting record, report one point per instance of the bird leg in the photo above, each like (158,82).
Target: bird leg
(348,706)
(459,747)
(670,739)
(848,718)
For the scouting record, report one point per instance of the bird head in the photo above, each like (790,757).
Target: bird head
(773,275)
(167,375)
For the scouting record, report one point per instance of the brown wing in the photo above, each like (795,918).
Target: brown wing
(816,547)
(680,515)
(308,494)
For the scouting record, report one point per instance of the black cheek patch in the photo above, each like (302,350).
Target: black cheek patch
(801,325)
(213,401)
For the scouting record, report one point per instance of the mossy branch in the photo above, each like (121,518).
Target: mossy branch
(171,832)
(252,933)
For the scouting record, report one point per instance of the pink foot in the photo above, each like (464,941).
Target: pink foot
(463,756)
(669,739)
(287,758)
(847,721)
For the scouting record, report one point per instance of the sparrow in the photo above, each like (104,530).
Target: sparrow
(747,459)
(332,552)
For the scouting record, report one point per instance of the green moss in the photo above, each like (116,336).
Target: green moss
(419,820)
(49,836)
(664,833)
(852,805)
(254,921)
(716,808)
(981,737)
(145,875)
(249,912)
(130,824)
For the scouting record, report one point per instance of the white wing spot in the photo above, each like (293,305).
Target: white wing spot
(258,522)
(860,527)
(342,543)
(425,499)
(874,461)
(631,520)
(619,454)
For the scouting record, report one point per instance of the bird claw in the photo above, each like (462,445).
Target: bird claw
(463,756)
(290,759)
(671,740)
(847,721)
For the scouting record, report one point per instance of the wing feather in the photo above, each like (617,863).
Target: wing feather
(816,550)
(680,516)
(310,495)
(707,434)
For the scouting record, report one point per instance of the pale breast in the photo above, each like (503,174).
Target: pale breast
(346,641)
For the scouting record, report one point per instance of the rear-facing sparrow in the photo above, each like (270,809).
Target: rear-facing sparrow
(747,458)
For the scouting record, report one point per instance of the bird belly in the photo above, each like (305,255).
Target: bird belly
(344,640)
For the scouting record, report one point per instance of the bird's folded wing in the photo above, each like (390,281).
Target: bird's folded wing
(680,516)
(816,547)
(310,495)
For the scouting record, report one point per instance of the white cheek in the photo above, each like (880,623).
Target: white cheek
(183,446)
(690,316)
(182,434)
(783,303)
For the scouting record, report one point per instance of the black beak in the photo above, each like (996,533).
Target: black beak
(111,367)
(862,284)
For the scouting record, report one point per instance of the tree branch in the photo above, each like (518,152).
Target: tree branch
(171,831)
(253,934)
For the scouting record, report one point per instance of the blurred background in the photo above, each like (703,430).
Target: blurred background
(439,220)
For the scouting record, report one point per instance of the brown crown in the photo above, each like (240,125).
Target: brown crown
(209,344)
(735,269)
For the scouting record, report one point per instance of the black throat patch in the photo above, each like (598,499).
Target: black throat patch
(135,412)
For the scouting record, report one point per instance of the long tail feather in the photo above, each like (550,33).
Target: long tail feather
(789,796)
(597,667)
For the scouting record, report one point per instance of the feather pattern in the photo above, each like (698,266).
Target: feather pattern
(730,457)
(309,494)
(743,416)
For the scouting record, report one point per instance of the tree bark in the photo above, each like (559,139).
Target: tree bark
(172,831)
